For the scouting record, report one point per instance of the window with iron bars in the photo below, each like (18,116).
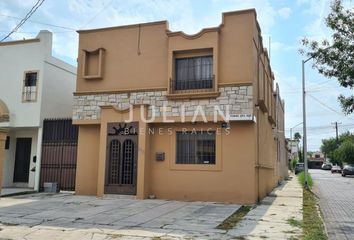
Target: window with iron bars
(195,147)
(193,73)
(29,93)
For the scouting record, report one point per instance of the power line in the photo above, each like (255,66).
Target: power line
(332,109)
(98,13)
(30,32)
(42,23)
(324,127)
(23,21)
(319,83)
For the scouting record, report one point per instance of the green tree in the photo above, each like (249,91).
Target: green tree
(346,152)
(297,136)
(330,147)
(335,57)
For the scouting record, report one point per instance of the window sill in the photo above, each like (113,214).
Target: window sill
(92,77)
(192,95)
(195,167)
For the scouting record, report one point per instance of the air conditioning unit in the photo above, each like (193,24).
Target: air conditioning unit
(51,187)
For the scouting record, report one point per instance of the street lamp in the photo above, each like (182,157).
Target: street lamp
(304,137)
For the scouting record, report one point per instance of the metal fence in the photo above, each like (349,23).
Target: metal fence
(59,150)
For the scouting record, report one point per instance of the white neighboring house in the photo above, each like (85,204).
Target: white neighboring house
(33,86)
(294,149)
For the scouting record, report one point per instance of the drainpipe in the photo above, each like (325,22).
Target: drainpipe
(257,162)
(257,123)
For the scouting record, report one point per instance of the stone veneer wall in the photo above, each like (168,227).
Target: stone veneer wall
(239,99)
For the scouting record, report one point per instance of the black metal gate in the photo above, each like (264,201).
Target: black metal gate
(59,150)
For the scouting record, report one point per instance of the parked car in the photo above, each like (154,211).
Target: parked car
(348,170)
(336,169)
(327,166)
(299,167)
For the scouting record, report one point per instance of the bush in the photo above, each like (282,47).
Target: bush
(301,177)
(293,164)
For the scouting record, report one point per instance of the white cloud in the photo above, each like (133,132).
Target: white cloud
(284,12)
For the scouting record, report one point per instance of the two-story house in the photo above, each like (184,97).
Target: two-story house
(34,85)
(174,116)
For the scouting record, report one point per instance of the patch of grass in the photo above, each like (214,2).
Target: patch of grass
(232,220)
(293,222)
(301,177)
(313,227)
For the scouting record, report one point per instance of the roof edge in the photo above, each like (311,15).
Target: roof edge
(32,40)
(123,26)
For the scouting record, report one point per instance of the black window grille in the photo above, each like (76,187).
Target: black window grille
(31,79)
(30,87)
(193,73)
(195,148)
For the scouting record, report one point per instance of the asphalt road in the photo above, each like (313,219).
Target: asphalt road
(336,195)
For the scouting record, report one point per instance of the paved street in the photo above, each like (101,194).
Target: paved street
(336,195)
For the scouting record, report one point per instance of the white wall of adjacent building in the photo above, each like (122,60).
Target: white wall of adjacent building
(55,86)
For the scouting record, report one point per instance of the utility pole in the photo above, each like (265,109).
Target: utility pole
(304,137)
(336,127)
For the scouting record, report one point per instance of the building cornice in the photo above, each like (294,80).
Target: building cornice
(192,36)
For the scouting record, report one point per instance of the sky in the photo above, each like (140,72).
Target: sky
(283,22)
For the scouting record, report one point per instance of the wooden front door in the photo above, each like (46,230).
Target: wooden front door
(121,160)
(22,159)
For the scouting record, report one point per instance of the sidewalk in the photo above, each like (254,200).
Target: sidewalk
(67,216)
(276,217)
(7,192)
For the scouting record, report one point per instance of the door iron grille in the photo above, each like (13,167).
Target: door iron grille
(114,162)
(128,162)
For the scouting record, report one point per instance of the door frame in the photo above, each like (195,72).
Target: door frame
(121,132)
(27,140)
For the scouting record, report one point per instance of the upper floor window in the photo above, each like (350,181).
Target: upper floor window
(193,73)
(195,148)
(29,92)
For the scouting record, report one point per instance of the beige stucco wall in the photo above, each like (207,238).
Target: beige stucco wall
(136,68)
(232,181)
(144,52)
(87,159)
